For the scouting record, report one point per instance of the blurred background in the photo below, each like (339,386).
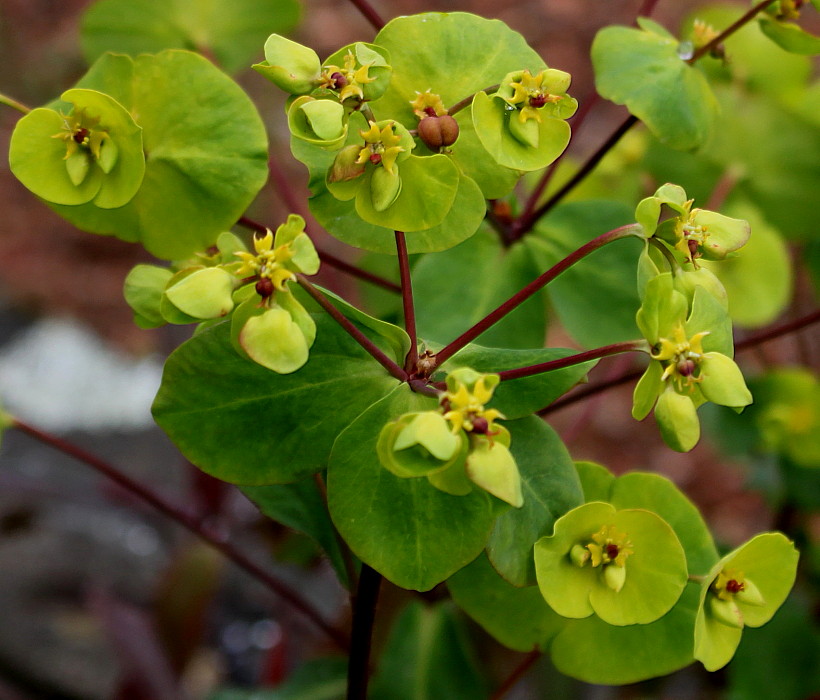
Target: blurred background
(102,597)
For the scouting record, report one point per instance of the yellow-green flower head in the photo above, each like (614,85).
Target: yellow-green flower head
(267,262)
(680,357)
(428,104)
(463,404)
(81,132)
(348,79)
(531,93)
(381,146)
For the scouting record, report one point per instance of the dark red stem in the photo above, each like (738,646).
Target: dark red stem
(731,29)
(520,297)
(364,614)
(577,359)
(218,540)
(407,302)
(369,13)
(516,675)
(369,346)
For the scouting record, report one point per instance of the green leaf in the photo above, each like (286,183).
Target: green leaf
(790,37)
(230,32)
(301,507)
(456,288)
(596,481)
(408,530)
(643,71)
(492,124)
(517,617)
(595,652)
(428,655)
(203,166)
(550,487)
(245,424)
(517,398)
(453,55)
(596,298)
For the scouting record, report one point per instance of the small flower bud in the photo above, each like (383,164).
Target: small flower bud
(438,132)
(264,287)
(614,577)
(339,80)
(480,425)
(579,555)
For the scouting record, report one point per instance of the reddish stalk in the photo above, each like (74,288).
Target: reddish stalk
(369,13)
(521,296)
(412,358)
(516,675)
(218,540)
(369,346)
(577,359)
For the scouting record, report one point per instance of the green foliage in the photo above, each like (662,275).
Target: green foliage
(436,462)
(230,32)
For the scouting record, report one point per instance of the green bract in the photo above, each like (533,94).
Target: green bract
(522,125)
(289,65)
(456,445)
(206,152)
(691,361)
(92,152)
(745,588)
(644,69)
(627,567)
(694,233)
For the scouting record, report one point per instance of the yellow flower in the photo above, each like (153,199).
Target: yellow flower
(609,546)
(428,104)
(81,131)
(381,147)
(349,78)
(268,262)
(465,409)
(680,356)
(533,94)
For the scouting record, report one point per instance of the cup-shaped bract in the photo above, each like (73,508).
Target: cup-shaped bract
(294,68)
(204,293)
(745,588)
(573,565)
(92,153)
(320,122)
(359,71)
(522,126)
(143,289)
(420,444)
(491,466)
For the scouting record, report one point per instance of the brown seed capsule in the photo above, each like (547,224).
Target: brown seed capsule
(438,132)
(686,368)
(264,287)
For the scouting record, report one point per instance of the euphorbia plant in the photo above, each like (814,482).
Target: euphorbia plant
(426,435)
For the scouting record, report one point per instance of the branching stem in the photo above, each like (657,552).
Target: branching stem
(516,675)
(539,283)
(218,540)
(577,359)
(368,345)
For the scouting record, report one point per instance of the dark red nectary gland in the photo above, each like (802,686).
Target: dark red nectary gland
(81,134)
(480,425)
(612,551)
(734,586)
(339,81)
(538,101)
(264,287)
(376,158)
